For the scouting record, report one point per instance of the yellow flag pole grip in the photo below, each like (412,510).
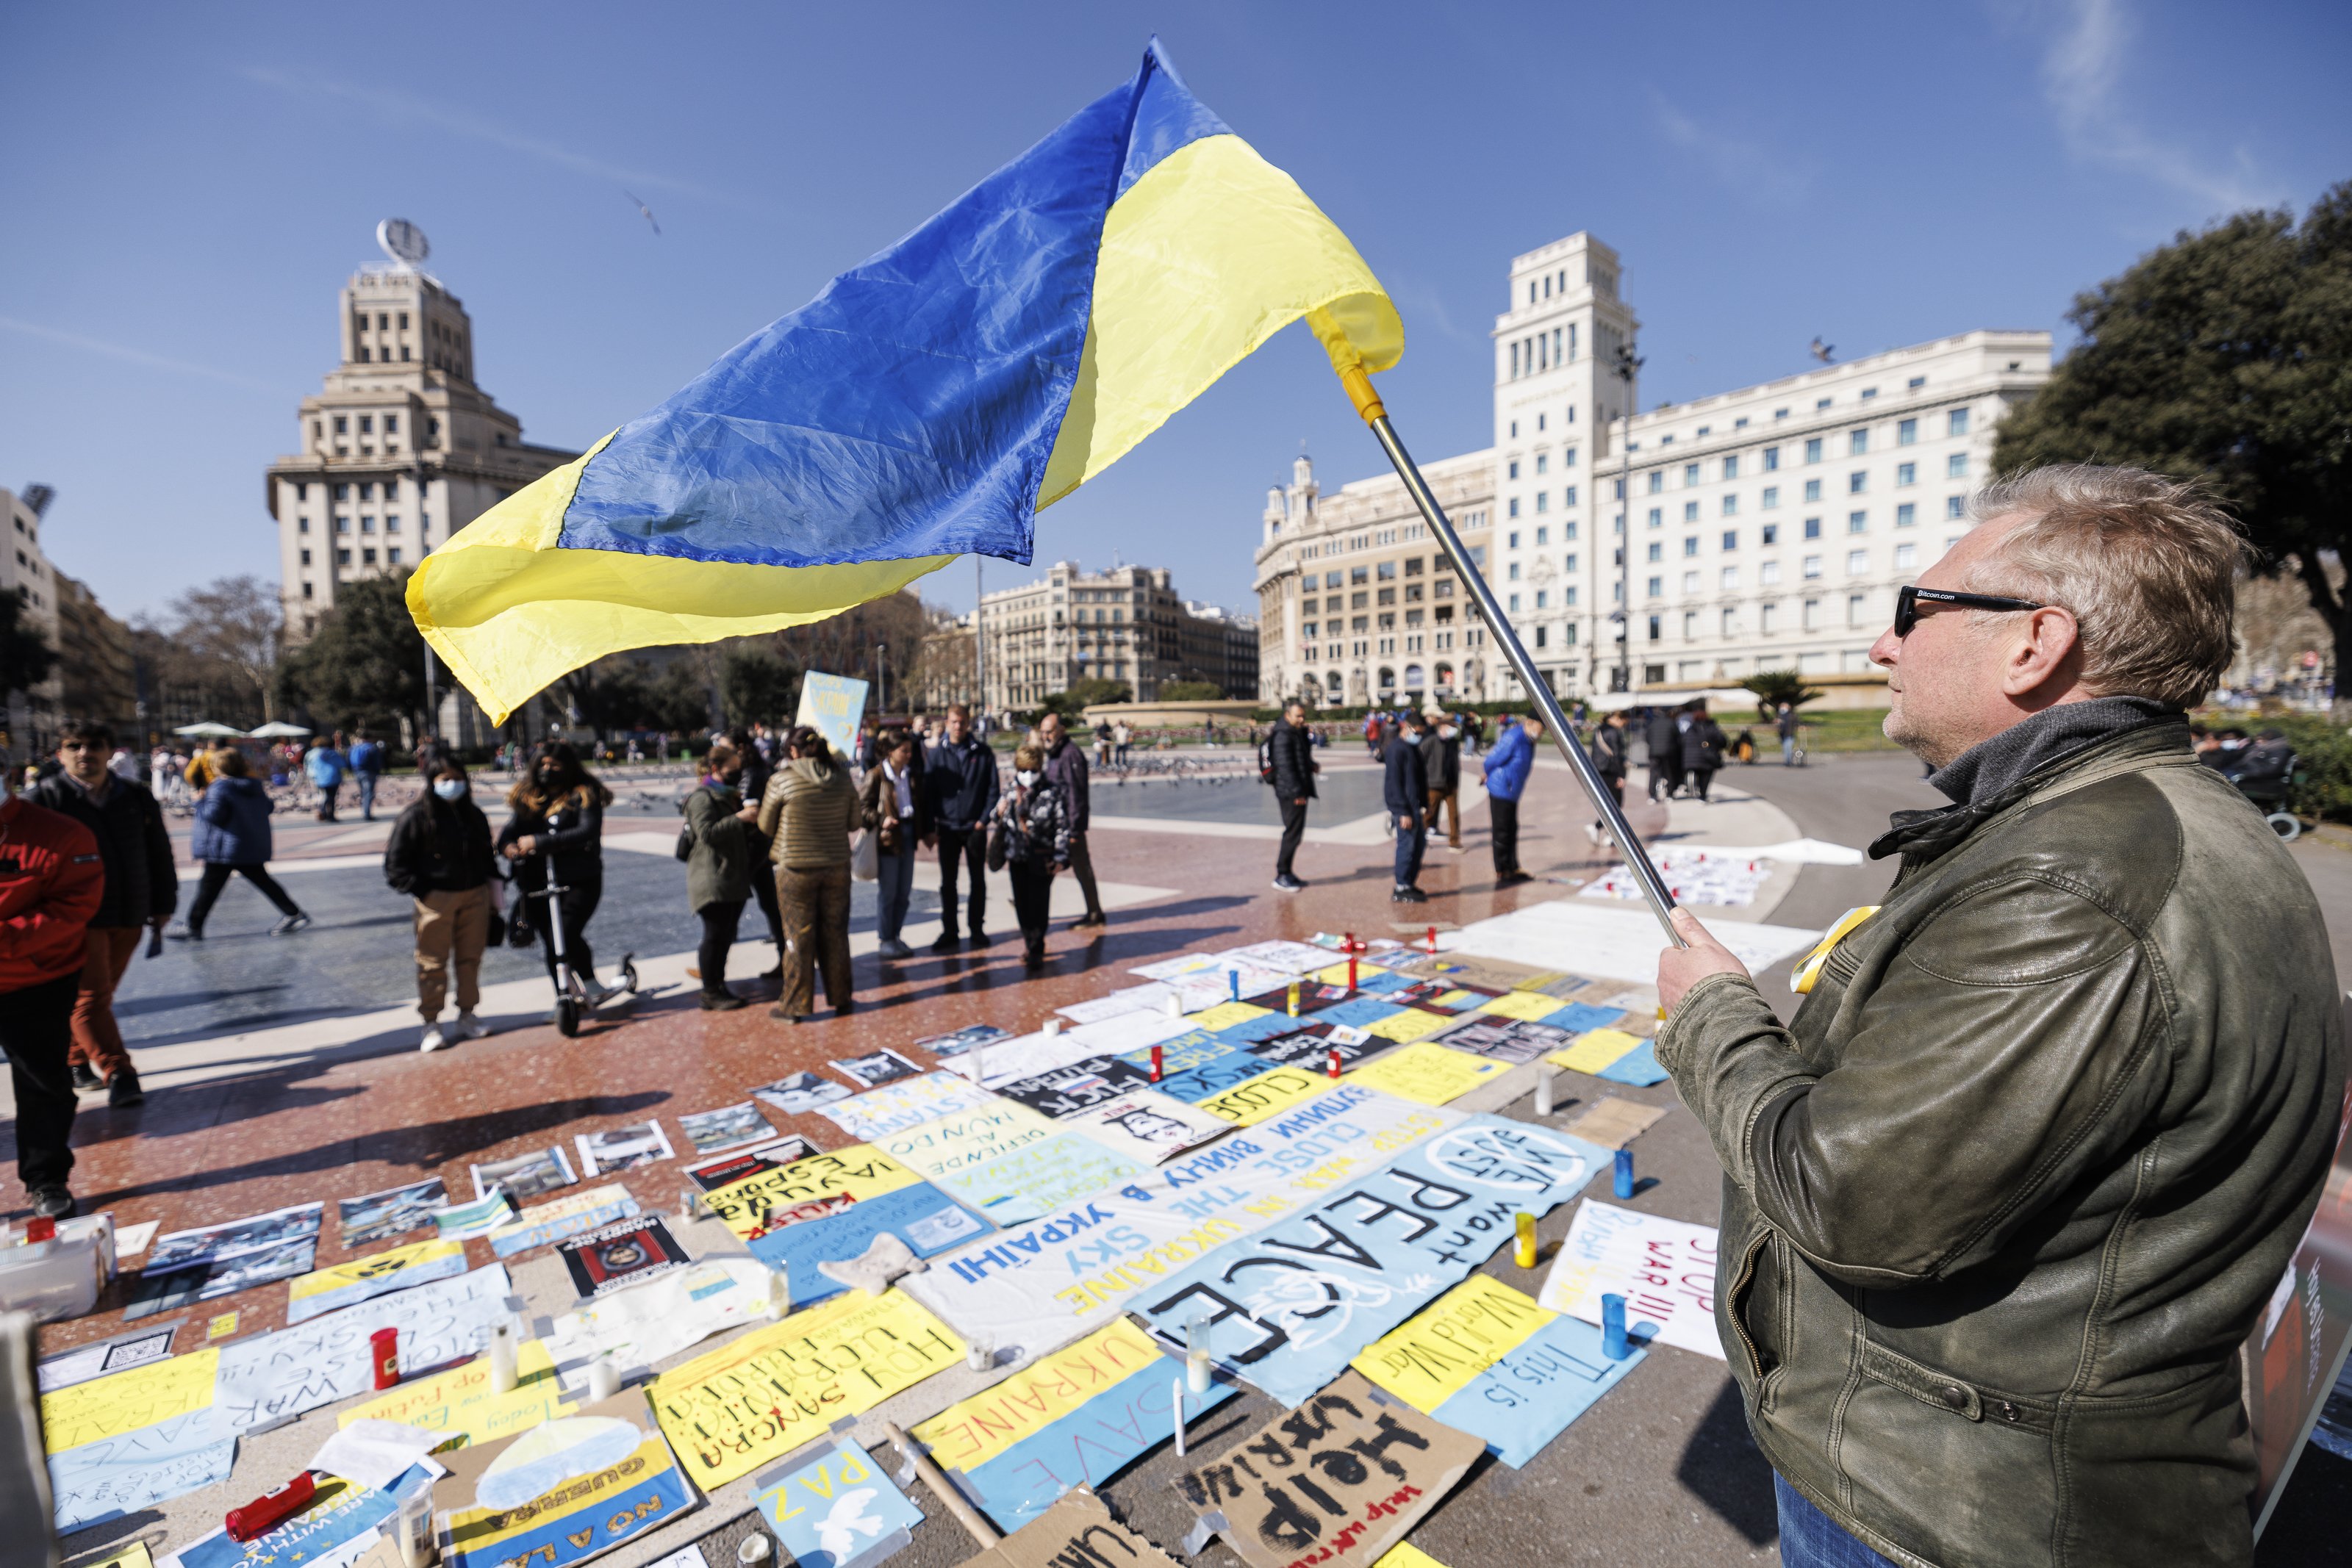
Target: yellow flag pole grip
(1359,393)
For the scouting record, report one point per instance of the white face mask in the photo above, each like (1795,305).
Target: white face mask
(1445,731)
(449,789)
(1028,778)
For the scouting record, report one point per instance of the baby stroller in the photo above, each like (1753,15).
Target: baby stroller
(576,995)
(2265,774)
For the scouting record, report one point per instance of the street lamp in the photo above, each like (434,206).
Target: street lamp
(1627,365)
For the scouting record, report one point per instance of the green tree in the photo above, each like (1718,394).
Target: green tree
(679,699)
(1191,692)
(1773,687)
(755,686)
(25,656)
(1085,692)
(365,662)
(2226,355)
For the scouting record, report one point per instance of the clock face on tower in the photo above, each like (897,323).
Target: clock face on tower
(403,241)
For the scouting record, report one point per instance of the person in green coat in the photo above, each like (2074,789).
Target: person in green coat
(719,867)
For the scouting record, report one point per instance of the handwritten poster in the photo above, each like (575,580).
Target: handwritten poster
(1075,1417)
(1078,1529)
(1292,1305)
(759,1396)
(895,1107)
(831,705)
(138,1468)
(770,1200)
(569,1216)
(379,1273)
(462,1400)
(963,1139)
(648,1323)
(1429,1072)
(1264,1094)
(1035,1178)
(1318,1145)
(121,1402)
(1146,1126)
(1663,1267)
(1487,1360)
(837,1508)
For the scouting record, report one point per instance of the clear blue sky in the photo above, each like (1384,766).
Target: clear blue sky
(186,187)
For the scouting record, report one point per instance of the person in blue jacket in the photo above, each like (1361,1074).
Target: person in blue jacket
(232,837)
(960,777)
(326,765)
(1404,791)
(1508,764)
(367,767)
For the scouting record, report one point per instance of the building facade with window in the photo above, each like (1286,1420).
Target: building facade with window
(1125,624)
(399,449)
(1770,526)
(1357,604)
(25,573)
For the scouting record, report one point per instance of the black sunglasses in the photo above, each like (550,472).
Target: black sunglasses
(1906,604)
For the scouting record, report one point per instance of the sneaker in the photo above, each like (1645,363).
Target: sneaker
(1513,879)
(1408,895)
(595,992)
(979,937)
(1091,917)
(434,1039)
(1286,883)
(123,1090)
(895,948)
(470,1028)
(297,921)
(85,1079)
(53,1202)
(722,1002)
(185,934)
(947,943)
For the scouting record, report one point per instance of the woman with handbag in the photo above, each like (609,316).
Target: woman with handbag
(558,809)
(1031,842)
(807,815)
(897,814)
(716,844)
(439,855)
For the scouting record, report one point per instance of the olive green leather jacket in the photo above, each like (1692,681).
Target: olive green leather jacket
(2001,1203)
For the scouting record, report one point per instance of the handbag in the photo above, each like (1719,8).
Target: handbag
(865,856)
(999,844)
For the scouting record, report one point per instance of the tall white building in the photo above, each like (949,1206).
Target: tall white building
(1125,624)
(1772,525)
(399,449)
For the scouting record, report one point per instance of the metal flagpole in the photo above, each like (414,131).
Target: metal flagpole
(1653,887)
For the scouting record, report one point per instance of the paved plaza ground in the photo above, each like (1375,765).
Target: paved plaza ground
(284,1070)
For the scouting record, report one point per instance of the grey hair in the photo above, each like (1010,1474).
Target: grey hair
(2146,565)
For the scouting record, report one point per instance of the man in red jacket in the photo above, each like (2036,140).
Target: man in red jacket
(51,880)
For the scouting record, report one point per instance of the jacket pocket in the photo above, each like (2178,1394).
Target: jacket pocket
(1751,1306)
(1953,1469)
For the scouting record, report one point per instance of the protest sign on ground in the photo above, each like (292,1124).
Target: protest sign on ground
(186,1286)
(562,1492)
(1429,1073)
(138,1468)
(232,1238)
(377,1274)
(1075,1533)
(895,1107)
(526,1176)
(1663,1267)
(835,1509)
(622,1148)
(962,1139)
(160,1390)
(382,1215)
(798,1093)
(1146,1126)
(1036,1179)
(873,1072)
(119,1354)
(725,1170)
(333,1527)
(642,1323)
(1264,1093)
(624,1252)
(727,1127)
(567,1215)
(463,1401)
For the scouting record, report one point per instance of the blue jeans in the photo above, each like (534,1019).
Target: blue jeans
(1409,845)
(367,795)
(895,881)
(1812,1539)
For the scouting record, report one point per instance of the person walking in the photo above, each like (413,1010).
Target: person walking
(2006,1196)
(809,811)
(1065,766)
(1505,768)
(439,854)
(1664,737)
(1441,762)
(143,888)
(1292,767)
(1122,741)
(751,748)
(1035,818)
(556,810)
(897,811)
(720,867)
(233,839)
(367,770)
(326,765)
(1702,741)
(1611,753)
(1404,791)
(52,880)
(1784,722)
(962,781)
(200,772)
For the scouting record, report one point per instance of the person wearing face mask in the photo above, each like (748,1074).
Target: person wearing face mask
(439,855)
(720,867)
(558,809)
(1036,822)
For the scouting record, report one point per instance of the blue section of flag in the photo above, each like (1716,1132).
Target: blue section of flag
(1638,1067)
(1578,1018)
(1529,1397)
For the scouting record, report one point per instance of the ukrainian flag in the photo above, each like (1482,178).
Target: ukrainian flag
(925,405)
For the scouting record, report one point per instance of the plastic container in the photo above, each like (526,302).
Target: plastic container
(55,1278)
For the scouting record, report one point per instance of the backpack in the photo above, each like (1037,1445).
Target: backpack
(1265,759)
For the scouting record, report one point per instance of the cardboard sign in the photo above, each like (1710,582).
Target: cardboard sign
(831,705)
(757,1398)
(1075,1417)
(1615,1122)
(561,1492)
(1037,1178)
(1663,1267)
(461,1400)
(895,1107)
(1263,1094)
(1075,1533)
(727,1127)
(625,1253)
(381,1216)
(551,1222)
(138,1468)
(379,1273)
(1337,1483)
(835,1509)
(1429,1073)
(274,1376)
(639,1325)
(1291,1306)
(1487,1360)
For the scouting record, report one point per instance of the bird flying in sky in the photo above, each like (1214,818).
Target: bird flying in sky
(649,218)
(1820,351)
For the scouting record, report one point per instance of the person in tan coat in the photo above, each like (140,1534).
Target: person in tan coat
(807,815)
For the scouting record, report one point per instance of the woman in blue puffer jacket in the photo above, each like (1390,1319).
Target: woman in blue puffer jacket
(233,836)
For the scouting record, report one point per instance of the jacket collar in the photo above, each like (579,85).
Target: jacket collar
(1925,835)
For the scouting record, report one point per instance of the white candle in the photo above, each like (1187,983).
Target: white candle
(502,1358)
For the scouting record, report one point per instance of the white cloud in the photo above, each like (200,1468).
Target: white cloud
(1739,160)
(134,355)
(2083,75)
(402,109)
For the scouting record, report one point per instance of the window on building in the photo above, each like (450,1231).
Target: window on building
(1811,566)
(302,524)
(367,424)
(1820,403)
(1512,469)
(1772,534)
(1956,507)
(1731,505)
(1731,538)
(1690,625)
(1543,598)
(1906,432)
(1731,468)
(364,353)
(342,558)
(1657,588)
(1905,514)
(1512,573)
(1514,604)
(1690,582)
(342,524)
(1657,551)
(1654,619)
(1780,413)
(1730,578)
(1412,566)
(367,524)
(1543,536)
(1857,481)
(1568,562)
(1690,475)
(1690,544)
(391,556)
(1766,614)
(1730,621)
(432,427)
(1514,538)
(1690,511)
(1769,573)
(1957,423)
(306,588)
(1511,508)
(1812,489)
(1813,527)
(1905,557)
(1812,613)
(1771,496)
(342,425)
(1857,522)
(1857,561)
(1772,458)
(1657,517)
(1857,608)
(1543,459)
(1657,480)
(1905,474)
(1359,574)
(1956,467)
(1813,450)
(1543,500)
